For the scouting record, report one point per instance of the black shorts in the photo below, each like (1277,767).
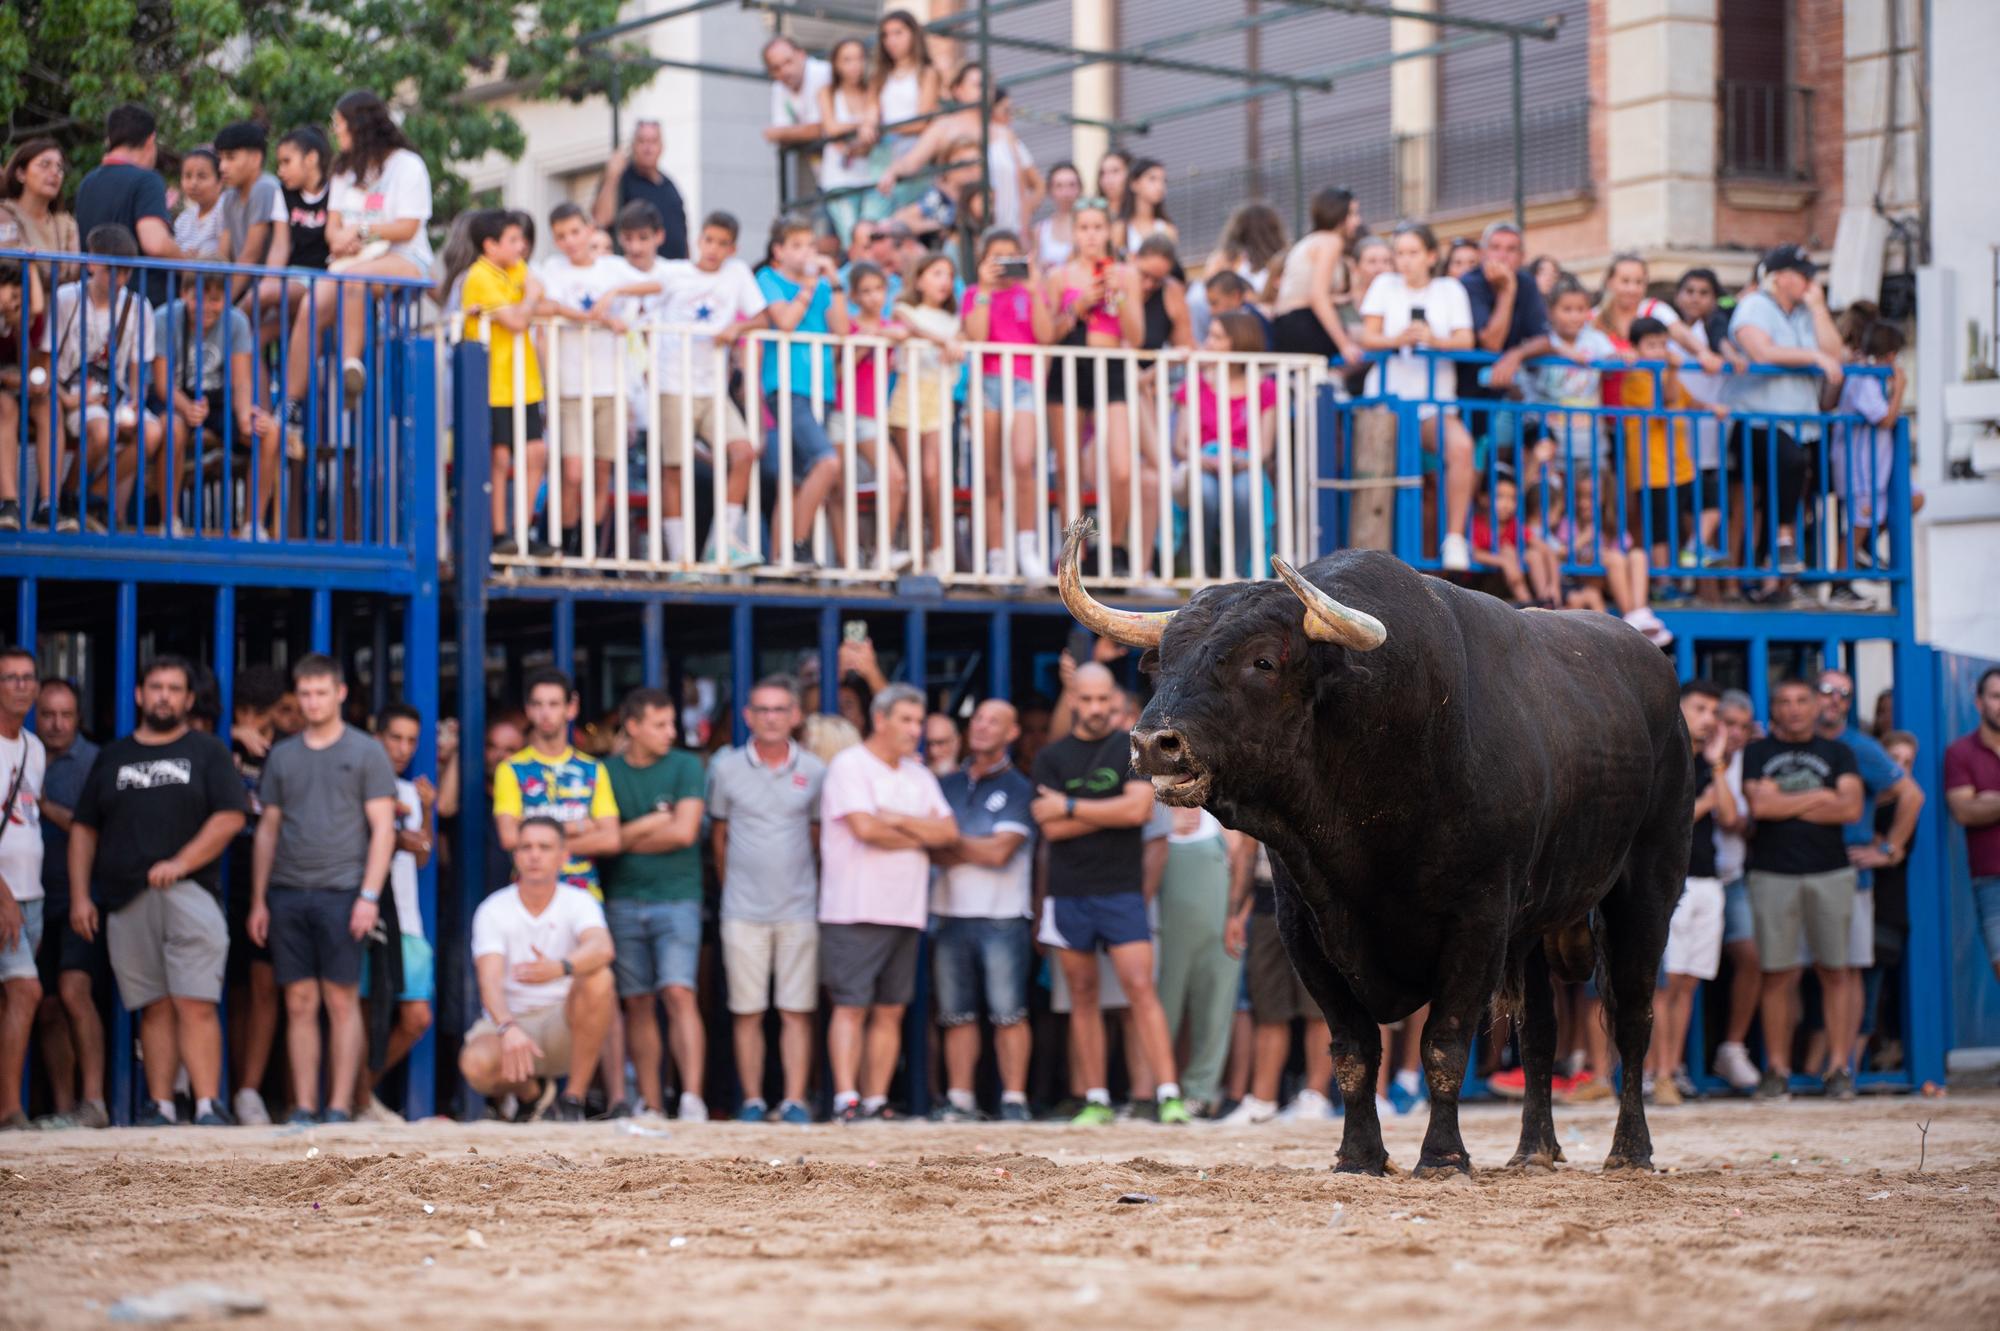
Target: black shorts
(1086,382)
(502,419)
(1670,510)
(309,937)
(243,952)
(1300,332)
(64,949)
(865,964)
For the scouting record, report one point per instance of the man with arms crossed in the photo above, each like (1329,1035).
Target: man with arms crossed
(156,813)
(324,842)
(543,955)
(1091,808)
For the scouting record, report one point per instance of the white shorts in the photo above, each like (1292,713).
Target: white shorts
(1694,938)
(1860,934)
(771,963)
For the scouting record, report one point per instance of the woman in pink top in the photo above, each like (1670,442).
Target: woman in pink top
(1006,307)
(1237,331)
(870,290)
(1097,303)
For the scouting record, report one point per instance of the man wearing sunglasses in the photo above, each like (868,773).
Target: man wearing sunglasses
(1881,780)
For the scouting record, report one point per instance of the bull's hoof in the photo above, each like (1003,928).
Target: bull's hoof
(1373,1166)
(1541,1161)
(1561,1159)
(1455,1165)
(1617,1163)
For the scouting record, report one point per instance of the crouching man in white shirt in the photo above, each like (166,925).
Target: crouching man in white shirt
(543,953)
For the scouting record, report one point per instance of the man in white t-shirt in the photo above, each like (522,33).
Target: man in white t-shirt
(543,953)
(881,813)
(582,373)
(399,730)
(796,79)
(717,294)
(23,764)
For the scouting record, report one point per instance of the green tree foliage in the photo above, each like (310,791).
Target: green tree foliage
(199,64)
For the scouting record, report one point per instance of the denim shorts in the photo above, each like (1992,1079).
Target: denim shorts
(1737,924)
(18,961)
(1986,896)
(810,442)
(971,955)
(658,942)
(996,389)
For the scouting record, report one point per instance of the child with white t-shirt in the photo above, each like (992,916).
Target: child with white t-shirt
(707,302)
(583,287)
(1406,309)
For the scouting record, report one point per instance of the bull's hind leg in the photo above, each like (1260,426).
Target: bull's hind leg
(1357,1043)
(1632,937)
(1468,971)
(1539,1148)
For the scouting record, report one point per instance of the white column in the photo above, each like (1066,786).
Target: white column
(1413,111)
(1661,69)
(1093,26)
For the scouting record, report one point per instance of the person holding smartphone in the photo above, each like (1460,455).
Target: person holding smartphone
(1007,307)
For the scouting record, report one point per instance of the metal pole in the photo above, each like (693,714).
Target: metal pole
(617,98)
(1544,31)
(967,241)
(1520,146)
(1298,170)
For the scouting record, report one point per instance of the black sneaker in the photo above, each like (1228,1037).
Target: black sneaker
(1843,596)
(1788,558)
(333,1116)
(10,515)
(214,1118)
(302,1117)
(1840,1085)
(151,1117)
(1774,1086)
(802,555)
(566,1109)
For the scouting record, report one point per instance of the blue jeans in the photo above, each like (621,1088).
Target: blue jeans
(1986,896)
(658,944)
(1211,514)
(970,954)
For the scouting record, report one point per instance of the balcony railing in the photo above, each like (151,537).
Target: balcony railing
(974,491)
(200,423)
(1767,131)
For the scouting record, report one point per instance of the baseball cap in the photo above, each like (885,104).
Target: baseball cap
(898,230)
(1792,257)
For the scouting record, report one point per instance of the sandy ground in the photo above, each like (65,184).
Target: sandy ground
(1808,1214)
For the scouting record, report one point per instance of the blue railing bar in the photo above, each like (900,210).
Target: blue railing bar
(422,284)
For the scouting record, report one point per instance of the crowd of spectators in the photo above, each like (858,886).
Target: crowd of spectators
(647,878)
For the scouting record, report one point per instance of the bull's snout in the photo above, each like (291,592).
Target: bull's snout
(1159,752)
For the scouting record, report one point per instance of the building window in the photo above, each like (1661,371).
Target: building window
(1766,120)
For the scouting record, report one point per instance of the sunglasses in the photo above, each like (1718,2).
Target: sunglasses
(1834,691)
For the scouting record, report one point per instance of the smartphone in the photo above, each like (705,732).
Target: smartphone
(1014,267)
(1081,646)
(854,630)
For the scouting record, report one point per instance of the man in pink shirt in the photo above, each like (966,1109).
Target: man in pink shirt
(881,813)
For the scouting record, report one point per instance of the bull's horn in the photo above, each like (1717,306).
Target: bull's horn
(1327,620)
(1133,628)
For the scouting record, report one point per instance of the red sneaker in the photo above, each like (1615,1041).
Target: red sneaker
(1511,1084)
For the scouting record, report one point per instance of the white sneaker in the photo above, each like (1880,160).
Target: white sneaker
(693,1108)
(1306,1106)
(1732,1064)
(996,563)
(1028,556)
(1384,1107)
(1455,554)
(250,1110)
(377,1112)
(1249,1112)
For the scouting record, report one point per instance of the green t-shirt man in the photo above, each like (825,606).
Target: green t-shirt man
(673,875)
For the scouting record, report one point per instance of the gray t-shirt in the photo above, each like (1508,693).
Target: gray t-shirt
(1796,394)
(769,875)
(197,352)
(266,196)
(323,837)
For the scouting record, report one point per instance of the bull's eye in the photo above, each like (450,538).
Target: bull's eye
(1264,663)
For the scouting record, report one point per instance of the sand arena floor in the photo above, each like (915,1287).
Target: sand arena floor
(1806,1214)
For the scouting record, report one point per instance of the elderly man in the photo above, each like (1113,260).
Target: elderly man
(871,242)
(1881,779)
(796,79)
(636,176)
(1784,323)
(543,953)
(1091,808)
(881,814)
(1803,789)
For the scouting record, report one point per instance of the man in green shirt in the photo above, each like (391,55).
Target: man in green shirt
(652,896)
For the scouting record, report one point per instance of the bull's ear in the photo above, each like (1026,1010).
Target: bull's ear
(1149,660)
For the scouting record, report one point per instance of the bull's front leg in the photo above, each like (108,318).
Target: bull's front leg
(1357,1043)
(1469,966)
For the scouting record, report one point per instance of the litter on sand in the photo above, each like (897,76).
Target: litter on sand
(474,1239)
(677,1241)
(429,1209)
(183,1302)
(1877,1196)
(312,1152)
(1136,1198)
(632,1127)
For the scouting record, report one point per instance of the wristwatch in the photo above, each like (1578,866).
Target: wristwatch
(567,968)
(1069,807)
(372,898)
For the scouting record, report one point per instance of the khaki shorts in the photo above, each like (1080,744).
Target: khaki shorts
(757,955)
(607,445)
(168,942)
(733,425)
(1817,906)
(548,1027)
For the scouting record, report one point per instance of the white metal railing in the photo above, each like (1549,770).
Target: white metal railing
(1139,476)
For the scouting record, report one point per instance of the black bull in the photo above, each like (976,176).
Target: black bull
(1459,799)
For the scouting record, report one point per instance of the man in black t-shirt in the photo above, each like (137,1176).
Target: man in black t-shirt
(155,815)
(125,190)
(1802,790)
(1091,806)
(1694,938)
(637,176)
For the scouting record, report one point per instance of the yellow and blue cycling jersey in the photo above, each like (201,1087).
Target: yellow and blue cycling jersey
(569,787)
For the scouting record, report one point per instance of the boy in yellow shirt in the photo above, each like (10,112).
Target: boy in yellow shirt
(1659,474)
(500,290)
